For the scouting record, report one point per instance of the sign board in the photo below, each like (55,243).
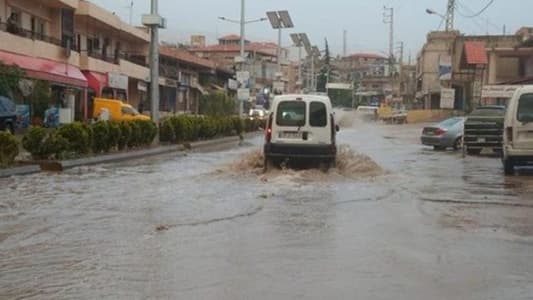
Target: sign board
(339,86)
(117,81)
(243,76)
(233,84)
(445,67)
(498,91)
(243,94)
(447,98)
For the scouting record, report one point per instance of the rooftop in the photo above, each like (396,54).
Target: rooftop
(185,56)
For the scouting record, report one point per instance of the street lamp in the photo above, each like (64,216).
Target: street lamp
(242,59)
(432,12)
(280,20)
(301,40)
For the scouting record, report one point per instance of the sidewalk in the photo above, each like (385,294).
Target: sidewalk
(57,166)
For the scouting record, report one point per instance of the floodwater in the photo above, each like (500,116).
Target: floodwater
(394,220)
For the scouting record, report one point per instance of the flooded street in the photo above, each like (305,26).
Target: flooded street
(395,220)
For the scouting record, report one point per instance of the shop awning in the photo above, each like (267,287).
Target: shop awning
(44,69)
(96,81)
(475,53)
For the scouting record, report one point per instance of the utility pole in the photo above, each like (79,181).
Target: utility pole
(155,22)
(243,41)
(450,15)
(388,18)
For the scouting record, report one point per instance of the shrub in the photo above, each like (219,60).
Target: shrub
(148,131)
(125,134)
(55,146)
(136,135)
(77,137)
(33,140)
(238,125)
(114,134)
(43,145)
(101,137)
(166,131)
(9,148)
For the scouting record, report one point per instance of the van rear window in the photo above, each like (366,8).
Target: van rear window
(291,113)
(318,116)
(525,109)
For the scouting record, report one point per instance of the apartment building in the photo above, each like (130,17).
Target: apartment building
(37,36)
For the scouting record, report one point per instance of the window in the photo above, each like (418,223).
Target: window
(318,116)
(127,110)
(291,113)
(525,109)
(450,122)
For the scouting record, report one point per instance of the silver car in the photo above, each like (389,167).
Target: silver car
(447,134)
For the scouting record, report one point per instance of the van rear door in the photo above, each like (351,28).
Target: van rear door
(523,129)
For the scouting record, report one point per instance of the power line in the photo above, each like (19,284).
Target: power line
(466,8)
(481,11)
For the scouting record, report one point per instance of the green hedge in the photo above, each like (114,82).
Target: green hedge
(77,139)
(9,149)
(187,128)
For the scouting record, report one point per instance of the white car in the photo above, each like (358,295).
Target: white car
(518,130)
(301,127)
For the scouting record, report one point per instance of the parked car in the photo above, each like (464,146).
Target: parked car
(118,111)
(368,112)
(484,129)
(518,133)
(8,114)
(258,112)
(301,127)
(446,134)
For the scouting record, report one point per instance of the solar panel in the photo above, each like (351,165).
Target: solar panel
(274,19)
(296,39)
(285,19)
(305,42)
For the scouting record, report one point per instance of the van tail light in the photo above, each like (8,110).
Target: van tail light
(268,131)
(440,131)
(509,132)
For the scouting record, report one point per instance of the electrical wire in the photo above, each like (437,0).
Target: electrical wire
(466,8)
(481,11)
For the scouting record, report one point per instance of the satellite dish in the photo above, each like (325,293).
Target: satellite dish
(26,87)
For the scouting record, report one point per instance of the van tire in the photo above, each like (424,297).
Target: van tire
(508,166)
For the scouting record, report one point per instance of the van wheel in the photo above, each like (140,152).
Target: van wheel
(508,166)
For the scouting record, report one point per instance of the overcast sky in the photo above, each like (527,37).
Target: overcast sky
(363,19)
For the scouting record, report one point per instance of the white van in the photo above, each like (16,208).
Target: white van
(518,133)
(301,127)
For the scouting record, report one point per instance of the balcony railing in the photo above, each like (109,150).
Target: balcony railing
(33,35)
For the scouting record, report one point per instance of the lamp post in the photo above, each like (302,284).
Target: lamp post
(301,40)
(280,20)
(242,59)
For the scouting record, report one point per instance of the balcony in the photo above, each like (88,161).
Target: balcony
(30,43)
(97,63)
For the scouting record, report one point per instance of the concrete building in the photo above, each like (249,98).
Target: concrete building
(113,54)
(181,73)
(262,59)
(470,64)
(34,38)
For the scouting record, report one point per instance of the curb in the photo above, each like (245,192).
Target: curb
(58,166)
(24,170)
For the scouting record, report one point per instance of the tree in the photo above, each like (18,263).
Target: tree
(9,79)
(324,71)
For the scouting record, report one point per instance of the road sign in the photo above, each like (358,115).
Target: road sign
(447,98)
(243,94)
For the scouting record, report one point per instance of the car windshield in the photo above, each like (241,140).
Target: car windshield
(450,122)
(525,109)
(291,113)
(488,112)
(128,110)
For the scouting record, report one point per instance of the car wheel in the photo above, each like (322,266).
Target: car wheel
(508,166)
(458,144)
(473,151)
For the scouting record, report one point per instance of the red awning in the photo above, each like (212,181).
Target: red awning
(475,53)
(97,81)
(44,69)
